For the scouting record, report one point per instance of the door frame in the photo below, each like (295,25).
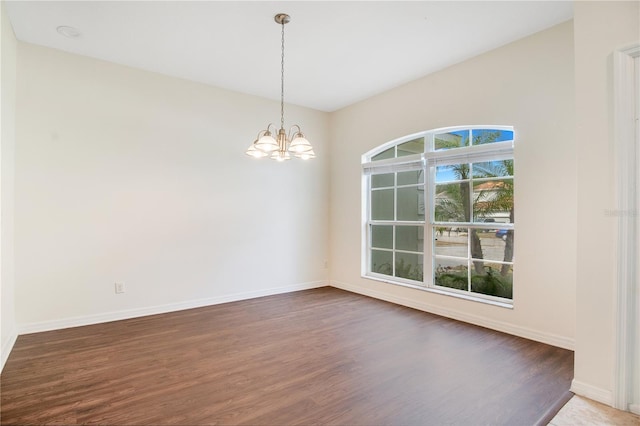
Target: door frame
(626,392)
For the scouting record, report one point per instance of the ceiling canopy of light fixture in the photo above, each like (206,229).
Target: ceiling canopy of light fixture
(284,145)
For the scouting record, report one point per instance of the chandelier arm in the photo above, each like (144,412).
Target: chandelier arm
(262,132)
(291,133)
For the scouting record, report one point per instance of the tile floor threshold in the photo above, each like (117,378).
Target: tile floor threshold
(580,411)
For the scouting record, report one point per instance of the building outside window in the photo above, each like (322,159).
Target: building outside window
(439,212)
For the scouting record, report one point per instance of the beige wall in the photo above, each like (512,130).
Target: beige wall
(128,176)
(600,28)
(528,84)
(7,151)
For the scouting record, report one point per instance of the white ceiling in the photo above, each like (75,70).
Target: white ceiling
(337,53)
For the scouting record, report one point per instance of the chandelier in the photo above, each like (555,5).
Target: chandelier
(284,145)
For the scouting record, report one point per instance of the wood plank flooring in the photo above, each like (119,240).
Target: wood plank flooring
(322,356)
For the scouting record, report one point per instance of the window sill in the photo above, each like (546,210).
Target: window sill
(468,297)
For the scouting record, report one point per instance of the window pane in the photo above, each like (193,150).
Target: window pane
(411,203)
(382,204)
(378,181)
(484,136)
(388,153)
(382,236)
(409,266)
(496,244)
(493,199)
(451,273)
(452,202)
(495,280)
(410,238)
(492,169)
(451,241)
(411,178)
(415,146)
(451,140)
(381,262)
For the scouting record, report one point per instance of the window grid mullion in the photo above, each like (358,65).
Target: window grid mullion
(393,257)
(469,262)
(472,215)
(395,218)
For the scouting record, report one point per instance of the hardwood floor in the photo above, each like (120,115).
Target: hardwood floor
(322,356)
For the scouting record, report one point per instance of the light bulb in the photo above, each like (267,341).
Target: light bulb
(280,156)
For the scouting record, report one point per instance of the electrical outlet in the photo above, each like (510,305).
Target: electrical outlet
(119,288)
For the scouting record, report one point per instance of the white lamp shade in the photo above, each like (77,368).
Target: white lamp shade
(300,145)
(266,143)
(255,153)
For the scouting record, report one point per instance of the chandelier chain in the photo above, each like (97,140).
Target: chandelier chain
(282,80)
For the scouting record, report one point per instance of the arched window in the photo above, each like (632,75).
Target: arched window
(439,212)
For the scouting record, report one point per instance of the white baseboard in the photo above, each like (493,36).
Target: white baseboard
(7,346)
(37,327)
(527,333)
(592,392)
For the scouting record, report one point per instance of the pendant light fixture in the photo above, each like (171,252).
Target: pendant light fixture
(284,145)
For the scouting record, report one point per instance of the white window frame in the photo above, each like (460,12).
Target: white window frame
(428,161)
